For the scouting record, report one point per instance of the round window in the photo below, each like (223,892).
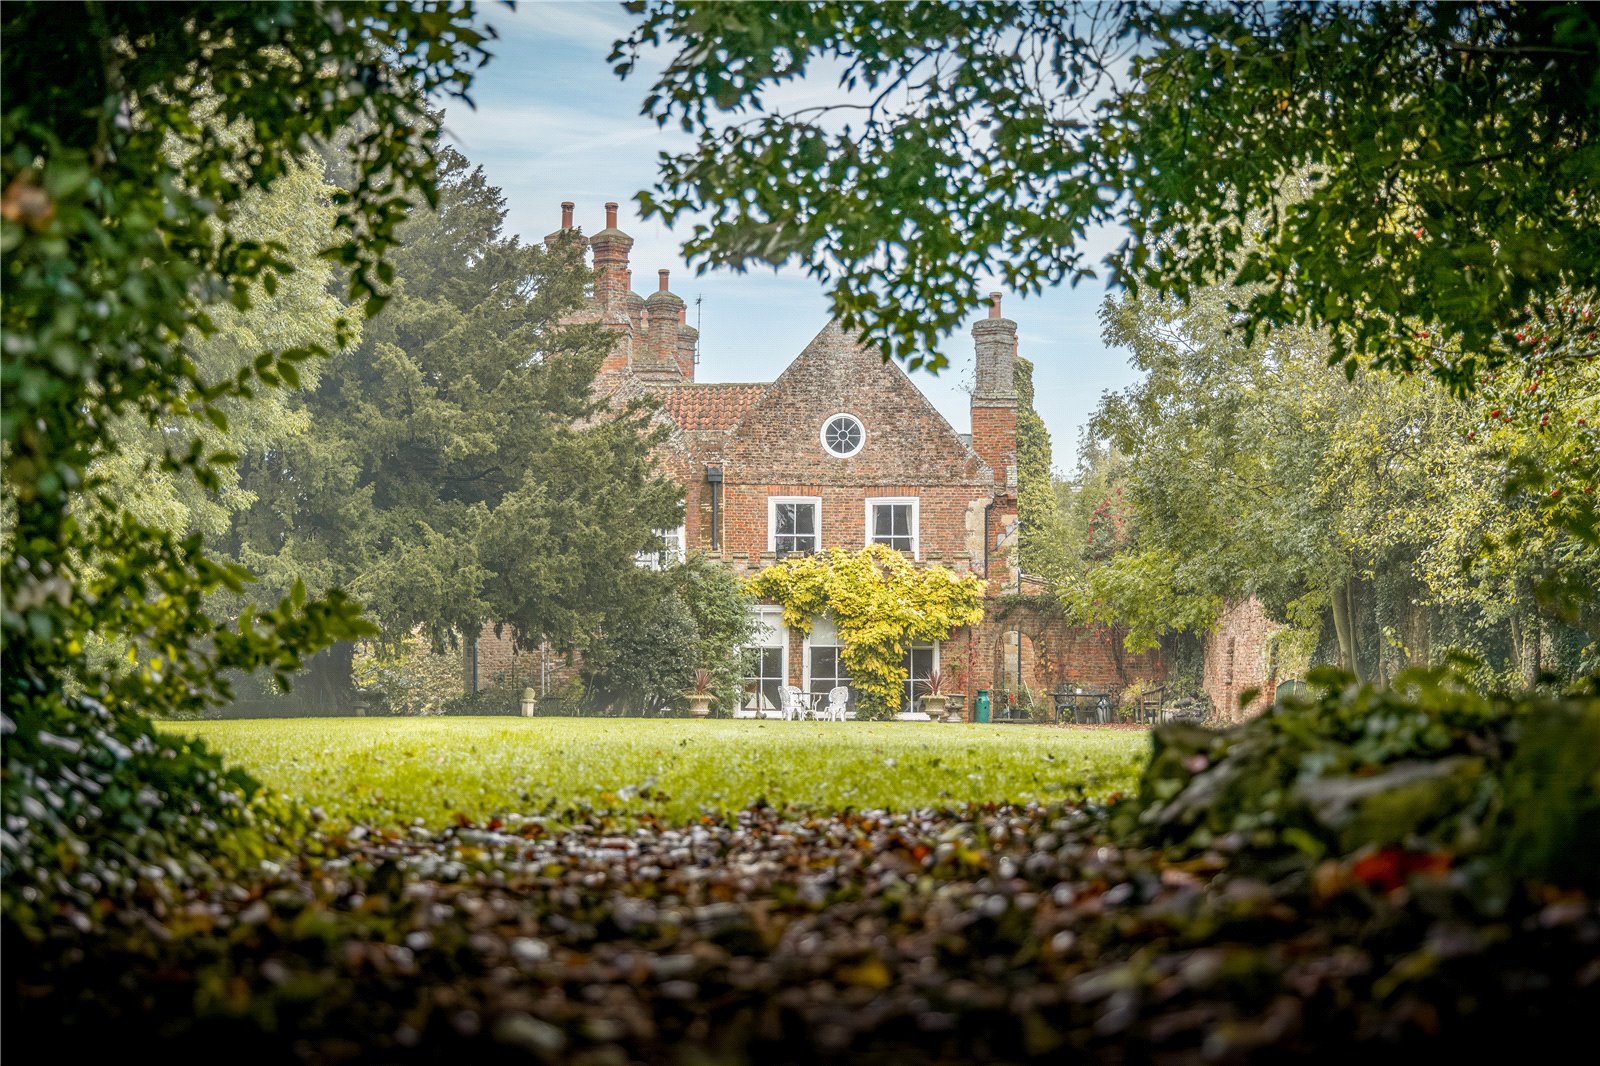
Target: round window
(843,436)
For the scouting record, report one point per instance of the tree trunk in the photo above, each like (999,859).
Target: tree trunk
(1527,634)
(1118,635)
(1421,642)
(1343,629)
(1515,620)
(1355,635)
(1385,654)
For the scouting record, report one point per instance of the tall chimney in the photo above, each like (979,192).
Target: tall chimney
(688,344)
(566,224)
(665,313)
(994,400)
(611,247)
(994,431)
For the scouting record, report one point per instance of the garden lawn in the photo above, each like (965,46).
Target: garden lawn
(401,770)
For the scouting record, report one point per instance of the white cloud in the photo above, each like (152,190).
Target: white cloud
(595,25)
(543,129)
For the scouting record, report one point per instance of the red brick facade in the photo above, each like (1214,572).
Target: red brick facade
(737,446)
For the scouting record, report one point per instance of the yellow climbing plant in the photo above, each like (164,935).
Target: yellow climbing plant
(881,604)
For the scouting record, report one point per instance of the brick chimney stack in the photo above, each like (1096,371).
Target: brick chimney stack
(611,247)
(994,431)
(566,224)
(994,400)
(688,343)
(994,421)
(665,313)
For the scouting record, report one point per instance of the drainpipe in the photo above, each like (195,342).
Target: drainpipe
(987,508)
(714,479)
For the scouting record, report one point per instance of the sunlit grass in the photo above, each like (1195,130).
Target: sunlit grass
(396,770)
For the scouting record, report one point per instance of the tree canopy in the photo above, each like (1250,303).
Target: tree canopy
(133,134)
(1367,512)
(1453,151)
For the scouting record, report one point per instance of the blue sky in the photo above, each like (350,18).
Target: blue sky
(554,123)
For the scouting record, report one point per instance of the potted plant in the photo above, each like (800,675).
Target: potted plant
(700,696)
(934,699)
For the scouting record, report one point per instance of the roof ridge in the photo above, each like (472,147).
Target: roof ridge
(716,384)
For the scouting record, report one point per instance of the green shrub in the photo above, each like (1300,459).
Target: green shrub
(502,698)
(1429,763)
(691,616)
(96,803)
(410,679)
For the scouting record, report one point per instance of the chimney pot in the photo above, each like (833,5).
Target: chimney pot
(611,216)
(566,213)
(663,275)
(994,305)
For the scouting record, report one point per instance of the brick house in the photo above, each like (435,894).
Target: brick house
(843,450)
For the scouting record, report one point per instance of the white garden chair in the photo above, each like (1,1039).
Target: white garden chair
(793,703)
(838,703)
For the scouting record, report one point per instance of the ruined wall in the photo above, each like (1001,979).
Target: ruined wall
(1237,657)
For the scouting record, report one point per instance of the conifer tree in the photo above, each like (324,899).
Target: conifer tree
(457,468)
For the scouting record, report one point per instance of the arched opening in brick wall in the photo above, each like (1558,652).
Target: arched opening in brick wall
(1025,654)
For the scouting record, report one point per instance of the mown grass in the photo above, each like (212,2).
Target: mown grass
(398,770)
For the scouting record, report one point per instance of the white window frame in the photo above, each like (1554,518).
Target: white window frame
(822,434)
(916,519)
(772,618)
(772,518)
(672,550)
(911,682)
(813,640)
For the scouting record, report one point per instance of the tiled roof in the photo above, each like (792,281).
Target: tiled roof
(709,406)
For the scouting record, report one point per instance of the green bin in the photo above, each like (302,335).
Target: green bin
(980,710)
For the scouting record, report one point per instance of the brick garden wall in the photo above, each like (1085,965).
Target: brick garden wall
(501,664)
(1236,659)
(1054,652)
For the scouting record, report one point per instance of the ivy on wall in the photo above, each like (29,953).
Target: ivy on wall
(881,604)
(1039,533)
